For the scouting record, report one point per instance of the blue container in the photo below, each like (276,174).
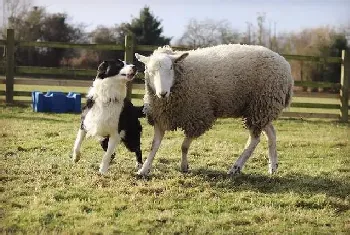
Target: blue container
(56,102)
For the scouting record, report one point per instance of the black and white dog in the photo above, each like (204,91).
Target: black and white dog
(109,115)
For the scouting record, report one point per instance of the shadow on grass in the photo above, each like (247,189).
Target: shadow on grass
(298,183)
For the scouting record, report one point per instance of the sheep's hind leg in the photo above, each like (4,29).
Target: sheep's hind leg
(77,144)
(112,143)
(269,130)
(253,141)
(184,148)
(157,139)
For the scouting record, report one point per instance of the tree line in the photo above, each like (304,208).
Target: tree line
(36,24)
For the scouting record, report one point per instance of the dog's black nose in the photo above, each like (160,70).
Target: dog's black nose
(163,94)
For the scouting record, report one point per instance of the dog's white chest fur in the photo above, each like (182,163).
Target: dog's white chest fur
(103,118)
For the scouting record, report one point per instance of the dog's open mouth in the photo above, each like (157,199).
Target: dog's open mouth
(130,76)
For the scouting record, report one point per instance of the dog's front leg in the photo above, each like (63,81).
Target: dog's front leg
(112,143)
(76,150)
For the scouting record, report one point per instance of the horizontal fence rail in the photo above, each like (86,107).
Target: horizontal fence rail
(88,83)
(129,47)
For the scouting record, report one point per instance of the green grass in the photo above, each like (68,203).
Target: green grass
(42,191)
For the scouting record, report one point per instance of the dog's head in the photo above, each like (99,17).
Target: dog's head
(117,69)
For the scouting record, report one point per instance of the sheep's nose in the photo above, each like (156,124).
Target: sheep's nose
(163,94)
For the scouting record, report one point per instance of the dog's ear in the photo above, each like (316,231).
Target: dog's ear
(103,66)
(102,69)
(120,63)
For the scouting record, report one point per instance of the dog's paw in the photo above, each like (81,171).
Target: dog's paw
(138,166)
(112,157)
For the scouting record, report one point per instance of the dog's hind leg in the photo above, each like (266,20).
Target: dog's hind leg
(133,145)
(104,145)
(112,143)
(139,162)
(76,150)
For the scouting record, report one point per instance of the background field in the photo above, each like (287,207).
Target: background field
(43,191)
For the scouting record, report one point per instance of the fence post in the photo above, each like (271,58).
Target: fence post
(344,86)
(10,64)
(129,58)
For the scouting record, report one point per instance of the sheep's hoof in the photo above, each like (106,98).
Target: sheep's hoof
(103,169)
(235,170)
(142,172)
(139,166)
(76,156)
(273,169)
(184,168)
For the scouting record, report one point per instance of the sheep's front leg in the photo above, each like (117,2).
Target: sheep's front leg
(184,149)
(112,143)
(253,141)
(157,139)
(269,130)
(78,141)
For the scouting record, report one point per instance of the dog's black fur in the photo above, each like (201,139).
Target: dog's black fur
(129,122)
(129,117)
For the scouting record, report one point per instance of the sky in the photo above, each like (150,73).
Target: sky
(289,15)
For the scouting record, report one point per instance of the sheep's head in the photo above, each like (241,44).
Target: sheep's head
(160,71)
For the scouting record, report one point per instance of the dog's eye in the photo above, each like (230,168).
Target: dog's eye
(123,74)
(171,67)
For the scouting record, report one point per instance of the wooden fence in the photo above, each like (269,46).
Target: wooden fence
(11,70)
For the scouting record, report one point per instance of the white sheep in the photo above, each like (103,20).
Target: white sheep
(190,90)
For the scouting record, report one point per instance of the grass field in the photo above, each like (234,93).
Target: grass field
(42,191)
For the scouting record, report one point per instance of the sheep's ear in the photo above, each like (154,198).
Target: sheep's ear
(180,58)
(141,58)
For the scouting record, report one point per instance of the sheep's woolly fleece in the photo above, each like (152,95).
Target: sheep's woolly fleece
(245,81)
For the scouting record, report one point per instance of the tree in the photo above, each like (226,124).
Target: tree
(261,21)
(146,29)
(208,33)
(332,73)
(55,28)
(14,9)
(37,25)
(104,35)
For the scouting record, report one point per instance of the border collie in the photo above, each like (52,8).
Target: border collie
(109,115)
